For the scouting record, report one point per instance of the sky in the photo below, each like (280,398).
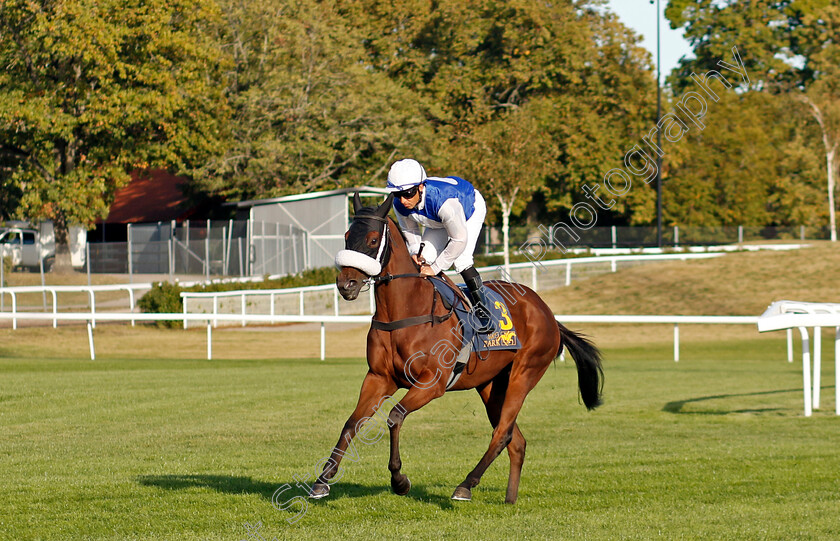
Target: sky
(640,15)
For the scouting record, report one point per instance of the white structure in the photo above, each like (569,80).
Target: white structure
(323,217)
(315,300)
(212,320)
(787,315)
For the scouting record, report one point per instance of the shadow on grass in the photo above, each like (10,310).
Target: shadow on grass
(227,484)
(677,405)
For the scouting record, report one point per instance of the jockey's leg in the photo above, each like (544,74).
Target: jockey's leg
(481,306)
(464,265)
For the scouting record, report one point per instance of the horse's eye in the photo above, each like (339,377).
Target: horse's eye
(372,239)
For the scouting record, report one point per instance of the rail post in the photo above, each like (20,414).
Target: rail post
(676,342)
(90,341)
(817,366)
(210,340)
(323,342)
(806,369)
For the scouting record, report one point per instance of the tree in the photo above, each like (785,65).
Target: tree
(603,114)
(737,170)
(507,158)
(478,60)
(90,90)
(308,115)
(820,38)
(789,47)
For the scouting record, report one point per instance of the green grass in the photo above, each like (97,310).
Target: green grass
(128,447)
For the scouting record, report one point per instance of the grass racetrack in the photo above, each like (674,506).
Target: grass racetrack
(150,441)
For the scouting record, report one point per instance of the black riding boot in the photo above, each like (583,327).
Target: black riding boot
(482,321)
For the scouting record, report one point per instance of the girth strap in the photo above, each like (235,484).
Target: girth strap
(408,322)
(389,326)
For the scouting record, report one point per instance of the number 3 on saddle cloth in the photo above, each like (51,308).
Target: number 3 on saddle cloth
(503,335)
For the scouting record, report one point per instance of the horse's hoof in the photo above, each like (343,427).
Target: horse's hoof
(401,486)
(319,491)
(462,494)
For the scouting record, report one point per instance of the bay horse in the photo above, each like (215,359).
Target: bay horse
(400,344)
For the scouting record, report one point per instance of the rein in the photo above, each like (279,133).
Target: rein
(389,326)
(388,277)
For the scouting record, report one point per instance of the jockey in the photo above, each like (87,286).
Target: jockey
(452,211)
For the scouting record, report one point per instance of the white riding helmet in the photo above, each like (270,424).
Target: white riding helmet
(404,174)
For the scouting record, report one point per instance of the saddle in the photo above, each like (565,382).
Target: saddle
(502,337)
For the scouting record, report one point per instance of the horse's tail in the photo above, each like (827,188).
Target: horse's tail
(588,361)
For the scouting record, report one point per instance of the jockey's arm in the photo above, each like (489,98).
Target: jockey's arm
(454,220)
(411,230)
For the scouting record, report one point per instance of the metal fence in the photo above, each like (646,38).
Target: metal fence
(256,248)
(645,237)
(278,249)
(210,248)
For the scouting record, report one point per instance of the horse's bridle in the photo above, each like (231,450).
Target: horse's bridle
(384,254)
(382,257)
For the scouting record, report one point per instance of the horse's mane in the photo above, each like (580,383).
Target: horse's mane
(397,225)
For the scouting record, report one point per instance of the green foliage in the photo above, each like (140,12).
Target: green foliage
(328,95)
(308,114)
(316,95)
(163,298)
(744,168)
(528,100)
(311,277)
(529,155)
(789,48)
(586,79)
(93,89)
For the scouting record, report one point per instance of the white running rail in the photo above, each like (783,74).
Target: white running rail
(326,297)
(787,315)
(211,320)
(14,292)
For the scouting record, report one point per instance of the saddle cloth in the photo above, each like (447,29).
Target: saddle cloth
(503,335)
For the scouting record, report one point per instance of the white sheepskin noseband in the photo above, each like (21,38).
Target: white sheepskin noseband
(358,260)
(365,263)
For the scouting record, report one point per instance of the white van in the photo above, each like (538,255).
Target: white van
(25,248)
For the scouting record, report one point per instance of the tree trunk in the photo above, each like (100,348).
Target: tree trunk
(532,210)
(63,263)
(830,150)
(829,159)
(67,163)
(507,207)
(506,237)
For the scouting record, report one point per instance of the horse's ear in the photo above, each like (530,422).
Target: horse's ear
(357,203)
(385,207)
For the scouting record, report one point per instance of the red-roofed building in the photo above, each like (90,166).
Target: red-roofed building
(151,196)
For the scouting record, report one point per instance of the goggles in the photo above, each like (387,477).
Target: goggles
(407,194)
